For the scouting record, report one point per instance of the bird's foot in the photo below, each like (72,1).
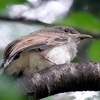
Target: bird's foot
(48,59)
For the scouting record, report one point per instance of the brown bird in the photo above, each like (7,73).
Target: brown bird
(41,49)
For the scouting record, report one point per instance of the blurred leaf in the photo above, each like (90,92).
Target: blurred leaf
(82,20)
(4,3)
(94,51)
(7,90)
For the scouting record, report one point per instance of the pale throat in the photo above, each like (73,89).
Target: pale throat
(61,54)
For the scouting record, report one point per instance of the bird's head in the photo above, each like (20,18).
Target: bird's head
(73,34)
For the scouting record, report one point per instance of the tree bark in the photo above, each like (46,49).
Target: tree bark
(61,78)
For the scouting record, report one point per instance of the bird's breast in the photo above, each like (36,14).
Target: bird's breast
(58,55)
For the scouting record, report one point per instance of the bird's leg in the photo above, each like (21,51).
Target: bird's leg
(48,59)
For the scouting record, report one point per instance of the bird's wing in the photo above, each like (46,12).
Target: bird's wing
(42,41)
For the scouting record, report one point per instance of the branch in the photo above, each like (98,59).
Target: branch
(94,35)
(23,20)
(61,78)
(32,21)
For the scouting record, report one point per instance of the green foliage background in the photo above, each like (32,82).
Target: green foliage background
(86,21)
(4,3)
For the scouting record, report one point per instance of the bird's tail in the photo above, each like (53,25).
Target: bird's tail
(1,68)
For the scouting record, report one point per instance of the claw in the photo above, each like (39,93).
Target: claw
(48,59)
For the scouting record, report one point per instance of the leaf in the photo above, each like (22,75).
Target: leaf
(82,20)
(4,3)
(7,90)
(94,51)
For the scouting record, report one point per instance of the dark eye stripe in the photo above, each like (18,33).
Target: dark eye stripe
(60,39)
(73,32)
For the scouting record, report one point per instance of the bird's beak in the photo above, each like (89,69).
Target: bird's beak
(83,36)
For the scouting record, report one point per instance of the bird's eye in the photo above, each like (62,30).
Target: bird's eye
(66,30)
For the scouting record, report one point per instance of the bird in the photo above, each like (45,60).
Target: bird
(41,49)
